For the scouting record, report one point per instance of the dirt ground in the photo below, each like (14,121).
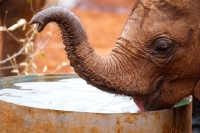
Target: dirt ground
(103,21)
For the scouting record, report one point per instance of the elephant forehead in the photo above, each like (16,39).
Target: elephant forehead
(164,10)
(164,2)
(175,9)
(155,17)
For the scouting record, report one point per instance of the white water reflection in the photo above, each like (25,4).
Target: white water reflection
(69,95)
(68,3)
(65,3)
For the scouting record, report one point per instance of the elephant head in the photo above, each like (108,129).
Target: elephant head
(156,59)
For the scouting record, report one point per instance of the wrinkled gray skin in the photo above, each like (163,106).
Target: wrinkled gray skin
(156,59)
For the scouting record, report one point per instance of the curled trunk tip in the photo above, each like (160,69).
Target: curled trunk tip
(73,33)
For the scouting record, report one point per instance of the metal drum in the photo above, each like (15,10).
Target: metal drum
(45,104)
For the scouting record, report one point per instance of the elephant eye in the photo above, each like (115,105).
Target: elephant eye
(163,47)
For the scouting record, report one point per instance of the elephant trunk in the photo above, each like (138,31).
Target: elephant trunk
(111,74)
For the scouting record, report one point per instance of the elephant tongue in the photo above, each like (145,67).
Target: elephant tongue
(139,102)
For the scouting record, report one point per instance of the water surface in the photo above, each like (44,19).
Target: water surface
(68,95)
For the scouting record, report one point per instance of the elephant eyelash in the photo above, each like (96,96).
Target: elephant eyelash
(163,47)
(151,37)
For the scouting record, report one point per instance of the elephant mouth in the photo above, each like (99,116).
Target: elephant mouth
(149,103)
(139,102)
(152,101)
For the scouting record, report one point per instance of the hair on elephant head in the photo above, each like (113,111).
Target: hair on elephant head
(156,59)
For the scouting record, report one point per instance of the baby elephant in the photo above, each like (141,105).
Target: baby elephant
(156,59)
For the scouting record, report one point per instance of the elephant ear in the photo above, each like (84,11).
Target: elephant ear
(197,87)
(197,91)
(197,94)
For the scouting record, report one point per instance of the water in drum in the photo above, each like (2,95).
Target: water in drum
(67,95)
